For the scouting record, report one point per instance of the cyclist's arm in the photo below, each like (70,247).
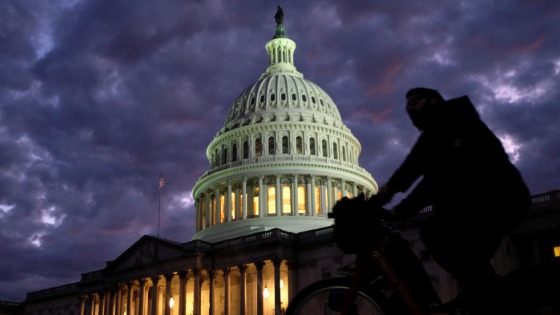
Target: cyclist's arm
(419,198)
(410,170)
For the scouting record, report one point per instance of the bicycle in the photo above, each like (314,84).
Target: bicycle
(380,282)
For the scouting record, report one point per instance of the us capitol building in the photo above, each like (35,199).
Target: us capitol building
(277,166)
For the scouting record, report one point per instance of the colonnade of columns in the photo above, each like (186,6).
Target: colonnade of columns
(249,197)
(197,292)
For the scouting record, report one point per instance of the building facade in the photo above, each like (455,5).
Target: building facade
(279,164)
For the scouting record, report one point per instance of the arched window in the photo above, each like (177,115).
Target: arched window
(301,200)
(271,145)
(286,200)
(285,145)
(224,156)
(256,205)
(299,145)
(221,219)
(343,153)
(234,152)
(312,149)
(324,148)
(271,200)
(335,152)
(258,147)
(245,149)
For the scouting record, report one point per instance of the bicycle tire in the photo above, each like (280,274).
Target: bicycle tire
(317,299)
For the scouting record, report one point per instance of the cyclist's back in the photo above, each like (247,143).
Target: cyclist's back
(477,195)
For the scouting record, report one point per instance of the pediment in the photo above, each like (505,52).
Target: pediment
(146,251)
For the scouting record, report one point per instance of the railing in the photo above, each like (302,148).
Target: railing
(545,200)
(280,158)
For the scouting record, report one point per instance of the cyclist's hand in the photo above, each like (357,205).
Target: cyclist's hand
(382,197)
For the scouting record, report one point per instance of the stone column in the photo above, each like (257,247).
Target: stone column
(242,282)
(102,308)
(313,201)
(260,305)
(228,202)
(323,208)
(141,296)
(155,293)
(196,307)
(244,198)
(83,301)
(118,305)
(330,198)
(168,283)
(208,214)
(295,195)
(309,208)
(278,197)
(226,290)
(211,275)
(129,298)
(261,197)
(109,302)
(182,292)
(277,297)
(217,210)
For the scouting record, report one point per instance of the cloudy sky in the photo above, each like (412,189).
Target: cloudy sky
(97,97)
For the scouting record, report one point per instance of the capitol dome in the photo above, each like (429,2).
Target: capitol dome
(282,159)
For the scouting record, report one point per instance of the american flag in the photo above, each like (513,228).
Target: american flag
(161,181)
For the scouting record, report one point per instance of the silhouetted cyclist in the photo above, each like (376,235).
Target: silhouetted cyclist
(476,193)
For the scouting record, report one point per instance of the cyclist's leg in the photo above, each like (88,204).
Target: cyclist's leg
(464,250)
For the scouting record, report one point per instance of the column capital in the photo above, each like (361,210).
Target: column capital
(169,276)
(242,268)
(226,271)
(276,262)
(259,265)
(183,274)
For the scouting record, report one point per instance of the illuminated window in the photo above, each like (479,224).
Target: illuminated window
(222,212)
(286,200)
(301,199)
(239,204)
(256,201)
(271,200)
(317,200)
(213,211)
(232,201)
(556,251)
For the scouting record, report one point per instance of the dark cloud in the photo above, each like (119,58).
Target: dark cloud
(98,97)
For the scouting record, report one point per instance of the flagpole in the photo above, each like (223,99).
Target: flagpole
(161,183)
(159,208)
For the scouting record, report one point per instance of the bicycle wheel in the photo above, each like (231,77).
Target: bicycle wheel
(325,297)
